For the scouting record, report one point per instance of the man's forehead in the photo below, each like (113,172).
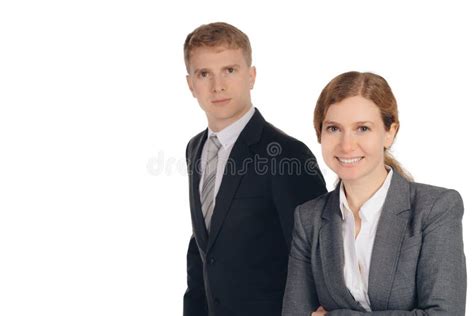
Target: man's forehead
(214,49)
(202,56)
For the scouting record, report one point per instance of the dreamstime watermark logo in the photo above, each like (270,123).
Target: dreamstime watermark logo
(169,166)
(273,161)
(274,149)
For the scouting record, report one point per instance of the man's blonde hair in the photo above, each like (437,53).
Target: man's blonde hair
(215,35)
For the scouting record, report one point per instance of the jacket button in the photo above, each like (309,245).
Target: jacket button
(217,301)
(212,260)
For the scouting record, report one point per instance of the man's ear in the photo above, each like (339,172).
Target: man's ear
(253,76)
(190,84)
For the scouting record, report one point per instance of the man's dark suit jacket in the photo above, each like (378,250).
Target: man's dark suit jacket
(240,267)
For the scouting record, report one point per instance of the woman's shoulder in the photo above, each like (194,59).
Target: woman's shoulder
(430,194)
(434,203)
(312,209)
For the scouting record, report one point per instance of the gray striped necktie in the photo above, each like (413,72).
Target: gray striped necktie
(207,193)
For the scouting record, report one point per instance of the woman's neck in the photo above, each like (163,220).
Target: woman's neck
(360,190)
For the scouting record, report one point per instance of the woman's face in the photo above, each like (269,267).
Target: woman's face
(353,139)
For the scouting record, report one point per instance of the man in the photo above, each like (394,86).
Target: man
(245,177)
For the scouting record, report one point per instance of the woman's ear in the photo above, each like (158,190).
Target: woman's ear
(390,135)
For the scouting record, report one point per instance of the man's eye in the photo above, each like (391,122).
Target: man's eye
(203,74)
(230,70)
(364,128)
(331,129)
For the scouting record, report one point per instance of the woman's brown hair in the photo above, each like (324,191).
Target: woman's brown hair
(369,86)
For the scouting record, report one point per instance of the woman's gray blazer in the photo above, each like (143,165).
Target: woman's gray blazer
(417,267)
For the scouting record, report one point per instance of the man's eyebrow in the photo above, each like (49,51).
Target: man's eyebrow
(199,70)
(232,66)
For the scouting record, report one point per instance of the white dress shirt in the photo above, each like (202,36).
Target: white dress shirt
(227,138)
(358,251)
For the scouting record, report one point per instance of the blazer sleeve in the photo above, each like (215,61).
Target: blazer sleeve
(294,186)
(194,303)
(441,272)
(300,293)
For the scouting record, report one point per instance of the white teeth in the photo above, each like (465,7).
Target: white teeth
(349,161)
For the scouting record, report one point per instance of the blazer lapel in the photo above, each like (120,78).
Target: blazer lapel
(388,240)
(199,227)
(332,254)
(232,174)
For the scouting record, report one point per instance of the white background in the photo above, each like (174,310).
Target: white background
(95,115)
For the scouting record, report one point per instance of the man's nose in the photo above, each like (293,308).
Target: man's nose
(218,84)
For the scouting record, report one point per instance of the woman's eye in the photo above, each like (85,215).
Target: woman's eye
(364,128)
(203,74)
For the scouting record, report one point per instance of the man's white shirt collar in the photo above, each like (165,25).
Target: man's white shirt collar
(229,135)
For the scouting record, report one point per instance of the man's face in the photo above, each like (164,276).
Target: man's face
(220,79)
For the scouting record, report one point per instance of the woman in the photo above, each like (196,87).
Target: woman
(379,243)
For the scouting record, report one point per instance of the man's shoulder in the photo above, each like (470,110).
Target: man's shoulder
(273,132)
(277,141)
(194,141)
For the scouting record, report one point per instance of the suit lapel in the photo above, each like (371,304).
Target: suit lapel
(232,175)
(199,226)
(332,253)
(388,240)
(229,185)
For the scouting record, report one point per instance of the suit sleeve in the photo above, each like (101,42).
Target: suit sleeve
(194,302)
(300,293)
(298,180)
(441,272)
